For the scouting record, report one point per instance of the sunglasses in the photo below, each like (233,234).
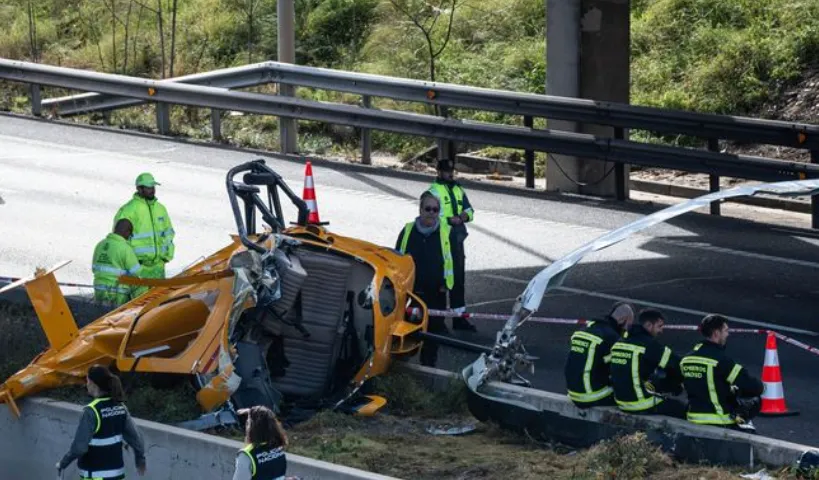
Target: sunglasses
(432,209)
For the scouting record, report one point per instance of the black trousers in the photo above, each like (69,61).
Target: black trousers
(457,297)
(670,407)
(435,301)
(603,402)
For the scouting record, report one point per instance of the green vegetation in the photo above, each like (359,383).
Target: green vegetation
(724,56)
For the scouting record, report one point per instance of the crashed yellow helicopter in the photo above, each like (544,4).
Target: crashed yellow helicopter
(292,312)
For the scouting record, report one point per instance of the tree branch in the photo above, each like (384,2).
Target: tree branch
(449,28)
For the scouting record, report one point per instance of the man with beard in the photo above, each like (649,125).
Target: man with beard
(153,234)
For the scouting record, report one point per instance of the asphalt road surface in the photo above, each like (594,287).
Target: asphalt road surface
(61,186)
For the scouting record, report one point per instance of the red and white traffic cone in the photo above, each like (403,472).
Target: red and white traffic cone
(309,195)
(773,398)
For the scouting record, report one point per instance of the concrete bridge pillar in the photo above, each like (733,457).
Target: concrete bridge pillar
(587,56)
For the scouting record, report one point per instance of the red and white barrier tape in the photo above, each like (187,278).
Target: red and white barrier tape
(797,343)
(582,322)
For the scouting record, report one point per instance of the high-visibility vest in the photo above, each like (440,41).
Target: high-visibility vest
(448,209)
(446,250)
(103,460)
(114,257)
(266,463)
(153,235)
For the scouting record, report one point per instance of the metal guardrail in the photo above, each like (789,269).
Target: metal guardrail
(741,129)
(572,144)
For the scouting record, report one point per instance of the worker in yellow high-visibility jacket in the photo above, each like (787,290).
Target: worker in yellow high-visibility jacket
(456,212)
(153,236)
(114,257)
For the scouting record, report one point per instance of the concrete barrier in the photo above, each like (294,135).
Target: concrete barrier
(555,416)
(31,446)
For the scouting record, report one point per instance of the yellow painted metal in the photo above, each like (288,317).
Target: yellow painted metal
(189,315)
(371,408)
(52,310)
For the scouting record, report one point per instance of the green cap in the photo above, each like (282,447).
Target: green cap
(146,180)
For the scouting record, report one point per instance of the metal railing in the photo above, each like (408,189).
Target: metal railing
(116,91)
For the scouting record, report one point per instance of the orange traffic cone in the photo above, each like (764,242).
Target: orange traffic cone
(773,398)
(309,195)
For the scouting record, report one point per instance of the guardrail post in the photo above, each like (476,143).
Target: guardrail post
(529,155)
(713,180)
(446,147)
(620,179)
(366,147)
(814,200)
(163,118)
(216,124)
(36,100)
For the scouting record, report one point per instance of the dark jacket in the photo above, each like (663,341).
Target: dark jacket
(637,394)
(428,258)
(587,380)
(704,386)
(89,428)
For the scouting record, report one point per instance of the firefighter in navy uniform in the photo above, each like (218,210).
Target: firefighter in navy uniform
(720,391)
(105,423)
(587,365)
(263,458)
(643,370)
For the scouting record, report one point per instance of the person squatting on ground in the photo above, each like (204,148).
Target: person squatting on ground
(587,365)
(643,370)
(263,457)
(114,257)
(153,235)
(456,211)
(428,240)
(104,425)
(720,391)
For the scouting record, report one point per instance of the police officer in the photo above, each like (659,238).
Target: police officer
(428,240)
(153,235)
(114,257)
(105,423)
(642,370)
(456,211)
(587,365)
(720,391)
(263,458)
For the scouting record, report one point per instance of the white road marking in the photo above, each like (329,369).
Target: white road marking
(491,302)
(578,291)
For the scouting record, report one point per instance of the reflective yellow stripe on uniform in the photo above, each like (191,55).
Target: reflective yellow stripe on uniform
(639,405)
(592,396)
(710,418)
(719,417)
(594,341)
(666,357)
(249,452)
(732,377)
(642,402)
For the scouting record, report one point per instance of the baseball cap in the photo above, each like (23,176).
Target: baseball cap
(146,180)
(446,165)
